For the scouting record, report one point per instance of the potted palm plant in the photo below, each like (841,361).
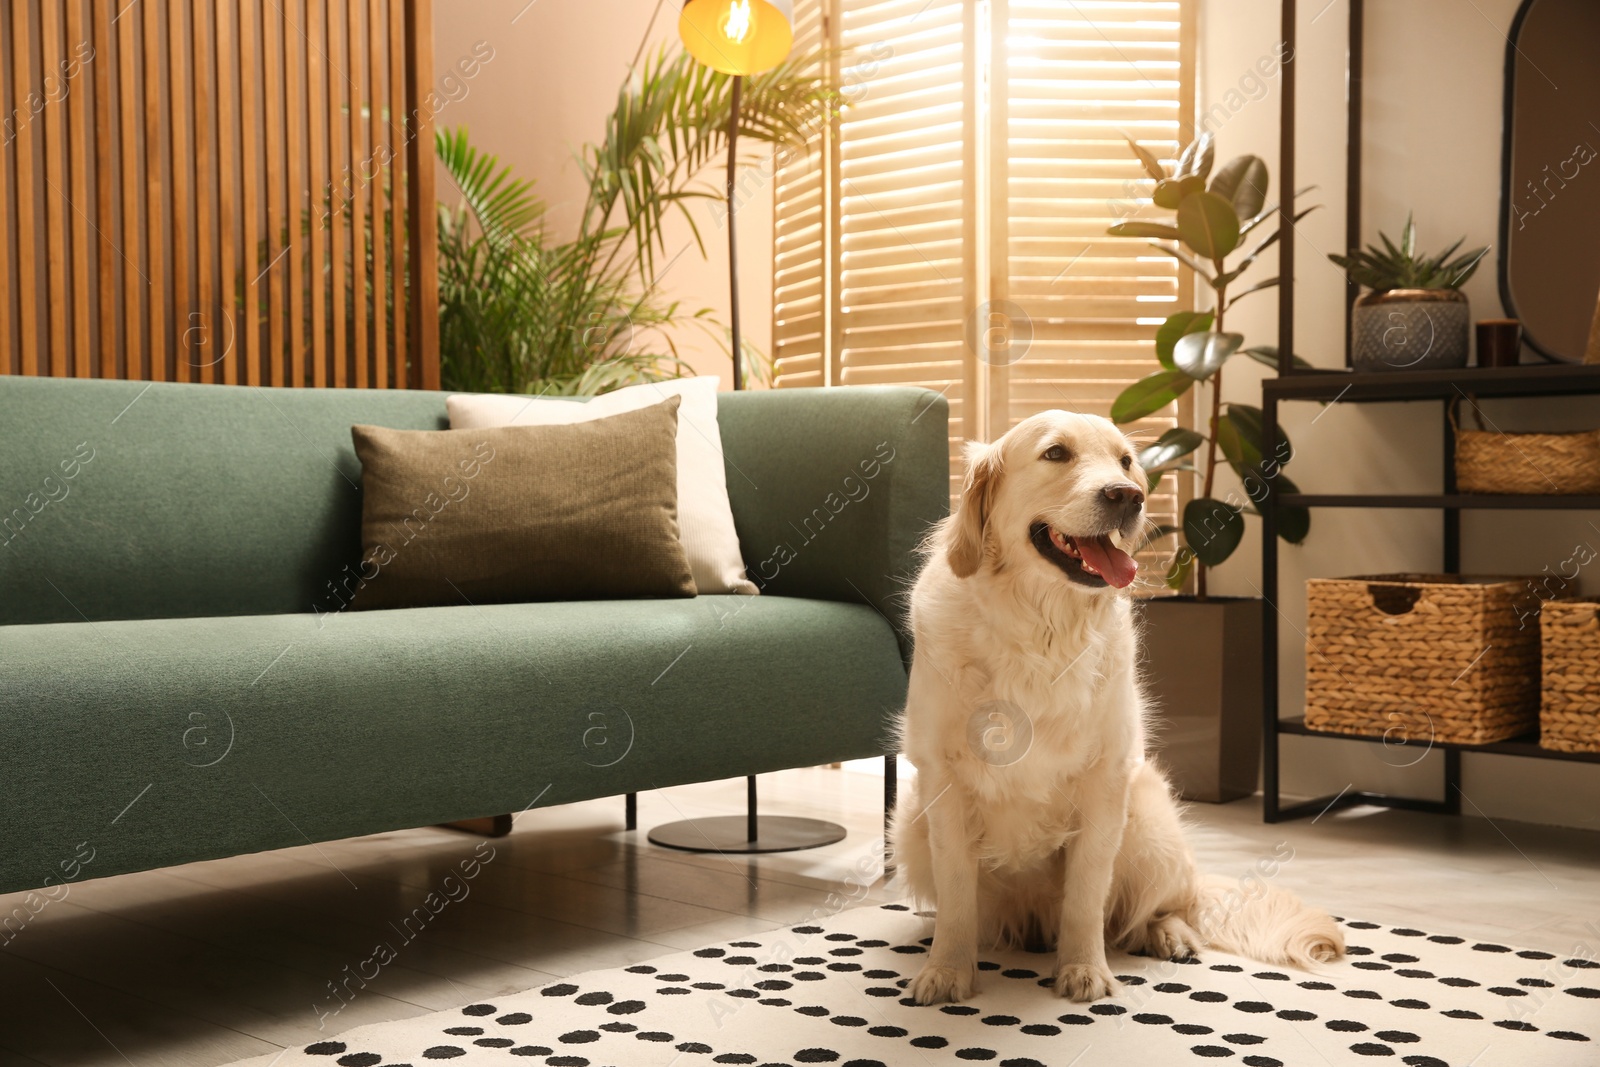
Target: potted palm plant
(522,311)
(1204,651)
(1414,315)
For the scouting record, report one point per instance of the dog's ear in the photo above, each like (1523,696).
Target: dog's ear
(964,533)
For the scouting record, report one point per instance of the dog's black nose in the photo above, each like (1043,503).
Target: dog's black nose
(1126,494)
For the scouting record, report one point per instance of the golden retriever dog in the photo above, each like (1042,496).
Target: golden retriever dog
(1036,817)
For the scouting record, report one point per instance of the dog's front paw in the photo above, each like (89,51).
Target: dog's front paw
(1085,981)
(937,983)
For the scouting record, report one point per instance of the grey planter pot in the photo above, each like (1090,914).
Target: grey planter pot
(1202,674)
(1410,329)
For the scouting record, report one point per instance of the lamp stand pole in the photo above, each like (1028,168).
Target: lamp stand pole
(733,235)
(749,832)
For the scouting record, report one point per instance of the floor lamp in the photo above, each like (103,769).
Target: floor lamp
(739,37)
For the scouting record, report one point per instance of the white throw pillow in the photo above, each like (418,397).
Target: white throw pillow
(705,518)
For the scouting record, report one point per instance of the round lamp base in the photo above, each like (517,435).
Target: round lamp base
(731,833)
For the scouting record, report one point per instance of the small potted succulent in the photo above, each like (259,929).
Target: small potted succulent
(1414,315)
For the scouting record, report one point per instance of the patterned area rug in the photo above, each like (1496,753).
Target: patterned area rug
(831,992)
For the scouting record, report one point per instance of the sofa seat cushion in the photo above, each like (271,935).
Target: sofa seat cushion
(246,733)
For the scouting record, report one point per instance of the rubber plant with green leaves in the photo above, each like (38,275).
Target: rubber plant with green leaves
(1216,214)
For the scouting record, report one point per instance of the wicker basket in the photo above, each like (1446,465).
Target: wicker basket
(1422,658)
(1569,718)
(1548,464)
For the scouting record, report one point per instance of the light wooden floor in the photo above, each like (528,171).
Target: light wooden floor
(217,961)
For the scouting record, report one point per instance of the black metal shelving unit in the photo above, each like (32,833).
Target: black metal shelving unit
(1346,387)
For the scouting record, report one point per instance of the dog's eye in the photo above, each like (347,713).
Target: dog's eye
(1055,454)
(1127,463)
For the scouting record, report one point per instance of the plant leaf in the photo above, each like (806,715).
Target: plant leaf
(1294,521)
(1178,574)
(1200,355)
(1176,326)
(1213,529)
(1187,260)
(1149,395)
(1256,288)
(1158,230)
(1208,225)
(1169,192)
(1152,165)
(1243,183)
(1239,443)
(1267,356)
(1170,446)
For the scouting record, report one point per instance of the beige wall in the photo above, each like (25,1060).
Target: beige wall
(1432,142)
(554,77)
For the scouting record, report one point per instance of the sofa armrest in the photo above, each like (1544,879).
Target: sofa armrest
(834,489)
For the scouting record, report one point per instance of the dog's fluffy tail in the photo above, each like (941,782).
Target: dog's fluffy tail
(1265,923)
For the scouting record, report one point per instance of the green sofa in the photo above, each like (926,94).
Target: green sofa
(178,682)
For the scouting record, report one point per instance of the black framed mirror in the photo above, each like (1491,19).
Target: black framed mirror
(1550,176)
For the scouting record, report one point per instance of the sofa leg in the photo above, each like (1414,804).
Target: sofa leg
(488,826)
(632,809)
(749,833)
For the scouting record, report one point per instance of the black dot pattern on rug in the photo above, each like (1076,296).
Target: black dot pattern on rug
(1568,1035)
(1212,1052)
(1371,1048)
(1461,1013)
(848,1020)
(1517,1024)
(1412,972)
(1020,1061)
(1151,1019)
(1315,985)
(579,1037)
(463,1031)
(976,1054)
(443,1052)
(515,1018)
(734,1057)
(626,1007)
(1001,1020)
(1346,1026)
(693,1046)
(1041,1030)
(816,1055)
(1019,972)
(1208,996)
(326,1048)
(1459,983)
(618,1028)
(931,1041)
(531,1050)
(1397,1037)
(1192,1029)
(1584,992)
(597,997)
(1486,947)
(480,1009)
(1075,1020)
(1262,1061)
(888,1031)
(560,989)
(1108,1009)
(1424,1061)
(1270,976)
(363,1059)
(567,1061)
(1446,939)
(1415,1005)
(959,1009)
(1295,1015)
(494,1042)
(1243,1039)
(1254,1007)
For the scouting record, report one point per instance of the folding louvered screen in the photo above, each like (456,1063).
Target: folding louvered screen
(951,233)
(1068,80)
(218,191)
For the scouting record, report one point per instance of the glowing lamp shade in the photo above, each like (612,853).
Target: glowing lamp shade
(737,36)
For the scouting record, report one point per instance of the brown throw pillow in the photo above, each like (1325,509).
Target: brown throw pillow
(585,511)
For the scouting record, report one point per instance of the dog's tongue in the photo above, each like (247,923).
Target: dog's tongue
(1114,565)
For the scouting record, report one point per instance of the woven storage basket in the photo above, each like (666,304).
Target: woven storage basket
(1419,658)
(1569,718)
(1549,464)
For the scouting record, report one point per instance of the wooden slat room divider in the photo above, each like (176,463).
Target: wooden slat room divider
(218,191)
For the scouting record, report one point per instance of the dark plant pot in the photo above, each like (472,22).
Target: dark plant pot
(1410,329)
(1202,675)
